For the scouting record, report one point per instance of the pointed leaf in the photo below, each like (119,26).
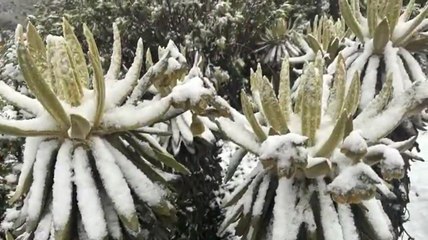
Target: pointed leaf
(393,10)
(248,111)
(79,61)
(245,138)
(271,108)
(116,56)
(381,36)
(353,96)
(335,137)
(234,161)
(37,50)
(99,84)
(313,43)
(40,88)
(284,94)
(337,93)
(80,127)
(350,19)
(149,60)
(65,84)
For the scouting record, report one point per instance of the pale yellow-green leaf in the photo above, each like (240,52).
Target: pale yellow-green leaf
(77,55)
(335,137)
(98,79)
(313,43)
(80,127)
(149,59)
(337,93)
(249,114)
(318,169)
(372,17)
(37,50)
(393,10)
(40,88)
(381,36)
(409,10)
(284,94)
(353,96)
(300,94)
(9,236)
(350,19)
(116,56)
(66,85)
(271,108)
(311,104)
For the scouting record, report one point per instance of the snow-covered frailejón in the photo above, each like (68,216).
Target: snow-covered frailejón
(314,179)
(193,145)
(384,42)
(90,153)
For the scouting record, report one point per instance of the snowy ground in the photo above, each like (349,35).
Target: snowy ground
(418,206)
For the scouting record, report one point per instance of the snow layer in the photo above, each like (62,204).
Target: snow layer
(418,205)
(88,199)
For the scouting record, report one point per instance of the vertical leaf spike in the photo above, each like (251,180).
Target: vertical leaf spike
(335,137)
(271,107)
(37,50)
(99,83)
(66,84)
(381,36)
(393,10)
(372,16)
(337,93)
(284,89)
(353,96)
(77,55)
(116,57)
(248,111)
(40,88)
(350,19)
(149,59)
(311,104)
(409,9)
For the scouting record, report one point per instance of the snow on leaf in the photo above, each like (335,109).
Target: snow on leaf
(116,187)
(88,199)
(329,217)
(40,176)
(30,151)
(150,192)
(62,186)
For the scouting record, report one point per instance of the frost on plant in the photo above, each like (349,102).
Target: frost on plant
(315,151)
(92,166)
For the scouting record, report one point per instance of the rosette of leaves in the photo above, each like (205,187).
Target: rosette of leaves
(385,41)
(325,35)
(277,42)
(91,164)
(314,179)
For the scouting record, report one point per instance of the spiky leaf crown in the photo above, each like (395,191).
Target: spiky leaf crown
(315,146)
(90,155)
